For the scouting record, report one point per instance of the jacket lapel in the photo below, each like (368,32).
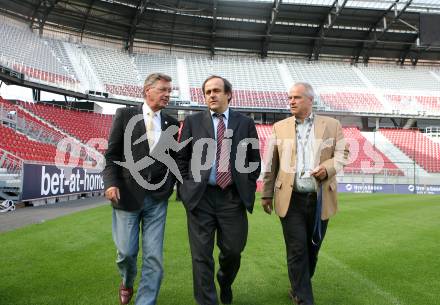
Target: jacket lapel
(291,136)
(140,130)
(208,125)
(319,130)
(319,127)
(164,121)
(233,121)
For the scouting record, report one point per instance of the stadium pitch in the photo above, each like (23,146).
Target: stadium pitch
(379,250)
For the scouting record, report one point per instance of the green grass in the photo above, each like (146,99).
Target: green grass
(379,250)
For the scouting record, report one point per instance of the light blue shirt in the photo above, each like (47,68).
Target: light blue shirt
(307,183)
(213,175)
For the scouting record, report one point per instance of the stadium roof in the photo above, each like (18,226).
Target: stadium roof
(360,30)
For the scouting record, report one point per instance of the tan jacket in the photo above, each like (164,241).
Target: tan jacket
(330,150)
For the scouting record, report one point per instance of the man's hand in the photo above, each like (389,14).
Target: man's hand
(267,205)
(319,173)
(112,194)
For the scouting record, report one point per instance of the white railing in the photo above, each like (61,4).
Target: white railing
(10,162)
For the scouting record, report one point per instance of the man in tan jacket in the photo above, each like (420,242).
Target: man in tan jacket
(305,153)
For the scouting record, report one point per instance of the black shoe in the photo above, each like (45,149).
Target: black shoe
(226,294)
(294,297)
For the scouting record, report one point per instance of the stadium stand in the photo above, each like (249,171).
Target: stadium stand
(257,83)
(352,102)
(248,99)
(243,73)
(417,146)
(400,77)
(429,103)
(28,139)
(151,63)
(9,163)
(25,148)
(124,90)
(34,56)
(414,104)
(403,104)
(60,52)
(29,124)
(80,124)
(365,158)
(264,133)
(325,74)
(115,69)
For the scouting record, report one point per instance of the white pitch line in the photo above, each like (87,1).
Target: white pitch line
(363,280)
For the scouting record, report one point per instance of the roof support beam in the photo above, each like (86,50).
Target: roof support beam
(46,13)
(174,25)
(387,26)
(414,55)
(140,9)
(325,27)
(214,26)
(34,14)
(269,26)
(43,9)
(372,31)
(83,27)
(409,49)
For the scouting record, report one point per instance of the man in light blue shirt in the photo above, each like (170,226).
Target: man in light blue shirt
(216,202)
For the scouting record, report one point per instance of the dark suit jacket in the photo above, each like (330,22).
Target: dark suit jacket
(200,126)
(132,194)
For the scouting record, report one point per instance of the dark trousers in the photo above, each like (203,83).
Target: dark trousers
(302,254)
(223,212)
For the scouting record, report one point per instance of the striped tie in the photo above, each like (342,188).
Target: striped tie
(223,166)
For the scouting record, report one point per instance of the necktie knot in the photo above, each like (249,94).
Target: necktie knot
(219,116)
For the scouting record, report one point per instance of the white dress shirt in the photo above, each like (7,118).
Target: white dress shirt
(157,125)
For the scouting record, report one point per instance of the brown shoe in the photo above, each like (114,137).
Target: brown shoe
(125,294)
(294,297)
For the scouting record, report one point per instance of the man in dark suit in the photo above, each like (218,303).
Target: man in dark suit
(219,167)
(139,186)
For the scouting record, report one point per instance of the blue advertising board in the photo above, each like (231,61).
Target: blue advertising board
(42,181)
(388,188)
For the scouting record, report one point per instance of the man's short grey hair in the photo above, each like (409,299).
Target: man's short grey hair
(309,89)
(153,78)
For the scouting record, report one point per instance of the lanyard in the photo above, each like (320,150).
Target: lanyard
(317,228)
(304,143)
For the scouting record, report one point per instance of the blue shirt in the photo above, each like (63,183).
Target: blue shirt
(212,176)
(304,155)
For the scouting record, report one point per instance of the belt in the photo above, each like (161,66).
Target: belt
(230,187)
(305,194)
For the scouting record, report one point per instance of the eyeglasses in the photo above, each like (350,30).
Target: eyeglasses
(163,89)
